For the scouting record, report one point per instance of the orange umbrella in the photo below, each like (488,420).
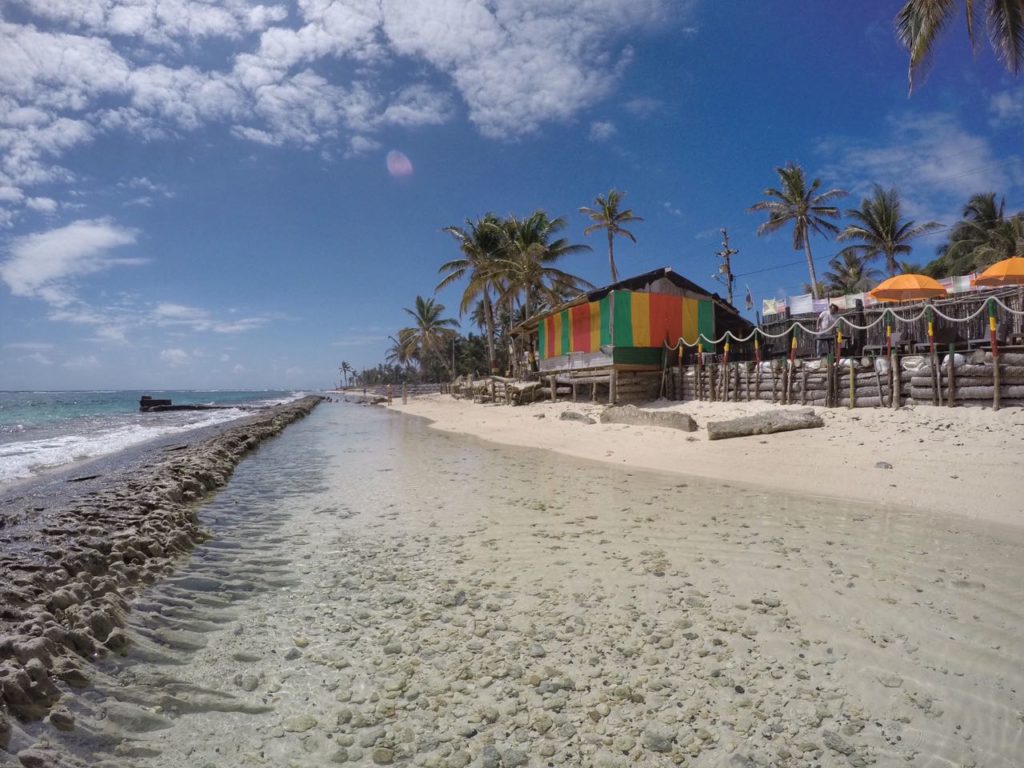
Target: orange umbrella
(909,287)
(1006,272)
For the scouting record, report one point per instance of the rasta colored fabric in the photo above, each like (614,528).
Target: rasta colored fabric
(639,319)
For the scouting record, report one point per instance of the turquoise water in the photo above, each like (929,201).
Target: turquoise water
(43,430)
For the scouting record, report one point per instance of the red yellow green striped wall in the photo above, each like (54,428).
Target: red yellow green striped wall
(640,320)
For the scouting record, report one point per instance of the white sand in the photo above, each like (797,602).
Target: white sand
(964,461)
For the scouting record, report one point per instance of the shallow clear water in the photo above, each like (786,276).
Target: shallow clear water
(43,430)
(379,591)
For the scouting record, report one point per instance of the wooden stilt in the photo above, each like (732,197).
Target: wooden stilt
(853,385)
(878,383)
(951,377)
(894,364)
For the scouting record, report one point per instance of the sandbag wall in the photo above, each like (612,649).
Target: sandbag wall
(813,382)
(972,380)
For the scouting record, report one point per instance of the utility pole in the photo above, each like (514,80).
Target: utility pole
(725,271)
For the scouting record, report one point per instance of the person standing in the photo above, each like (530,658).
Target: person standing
(825,320)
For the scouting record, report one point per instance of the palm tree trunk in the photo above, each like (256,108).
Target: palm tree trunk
(611,257)
(890,263)
(489,320)
(810,268)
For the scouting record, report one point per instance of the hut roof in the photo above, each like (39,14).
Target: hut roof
(635,283)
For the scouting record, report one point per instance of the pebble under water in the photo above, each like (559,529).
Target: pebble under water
(379,593)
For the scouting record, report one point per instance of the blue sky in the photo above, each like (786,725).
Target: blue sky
(198,195)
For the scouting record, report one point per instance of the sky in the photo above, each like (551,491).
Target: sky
(237,194)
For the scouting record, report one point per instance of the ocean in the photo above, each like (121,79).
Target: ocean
(41,431)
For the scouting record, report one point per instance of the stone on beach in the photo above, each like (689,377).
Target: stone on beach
(764,423)
(576,416)
(630,414)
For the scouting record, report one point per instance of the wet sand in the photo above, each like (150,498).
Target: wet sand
(377,592)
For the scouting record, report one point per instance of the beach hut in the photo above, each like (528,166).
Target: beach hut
(615,336)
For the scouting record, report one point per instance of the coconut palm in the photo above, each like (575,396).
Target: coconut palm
(850,273)
(881,230)
(803,207)
(403,350)
(527,260)
(431,334)
(606,215)
(345,369)
(983,236)
(480,242)
(920,21)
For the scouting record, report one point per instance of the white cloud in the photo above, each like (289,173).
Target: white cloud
(360,145)
(934,162)
(602,130)
(29,346)
(642,106)
(82,363)
(196,319)
(158,22)
(39,358)
(41,265)
(41,204)
(174,357)
(1007,108)
(324,74)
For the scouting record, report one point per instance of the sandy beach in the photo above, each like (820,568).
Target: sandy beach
(376,591)
(961,461)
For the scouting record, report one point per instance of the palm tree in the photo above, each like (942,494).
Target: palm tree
(850,274)
(431,334)
(802,207)
(403,351)
(480,243)
(983,236)
(879,226)
(526,264)
(920,21)
(606,215)
(345,369)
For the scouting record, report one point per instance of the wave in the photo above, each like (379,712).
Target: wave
(27,458)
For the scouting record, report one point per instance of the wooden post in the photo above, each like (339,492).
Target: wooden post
(774,380)
(725,373)
(613,387)
(995,354)
(951,376)
(826,364)
(894,363)
(700,371)
(736,382)
(878,383)
(554,386)
(853,385)
(936,374)
(803,385)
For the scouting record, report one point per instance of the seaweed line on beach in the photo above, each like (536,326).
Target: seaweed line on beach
(66,583)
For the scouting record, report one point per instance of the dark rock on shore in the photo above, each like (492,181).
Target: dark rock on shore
(65,581)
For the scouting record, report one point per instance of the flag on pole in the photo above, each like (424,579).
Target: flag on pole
(749,300)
